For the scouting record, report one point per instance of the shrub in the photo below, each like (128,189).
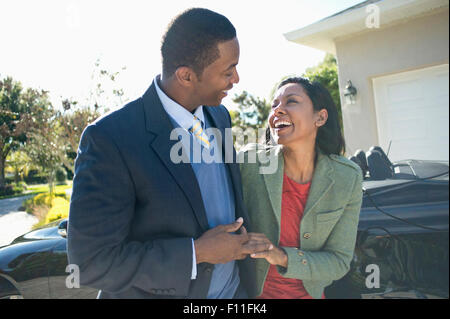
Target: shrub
(23,185)
(6,190)
(34,177)
(18,189)
(60,175)
(48,209)
(59,209)
(10,189)
(42,199)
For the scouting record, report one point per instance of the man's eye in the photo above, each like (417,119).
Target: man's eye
(291,101)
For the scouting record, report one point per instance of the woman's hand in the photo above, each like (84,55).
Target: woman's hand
(274,256)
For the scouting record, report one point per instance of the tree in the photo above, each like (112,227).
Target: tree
(252,111)
(45,145)
(18,163)
(326,73)
(72,121)
(15,118)
(74,117)
(105,82)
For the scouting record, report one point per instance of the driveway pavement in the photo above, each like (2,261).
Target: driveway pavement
(13,222)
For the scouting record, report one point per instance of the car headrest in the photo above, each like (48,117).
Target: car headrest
(382,153)
(379,169)
(358,162)
(361,155)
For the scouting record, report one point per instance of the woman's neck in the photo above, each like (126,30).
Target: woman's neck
(299,163)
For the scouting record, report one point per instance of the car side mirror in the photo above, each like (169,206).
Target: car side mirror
(62,228)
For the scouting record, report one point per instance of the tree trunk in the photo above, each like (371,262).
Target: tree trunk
(51,182)
(2,170)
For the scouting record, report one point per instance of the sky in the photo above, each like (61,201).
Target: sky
(54,44)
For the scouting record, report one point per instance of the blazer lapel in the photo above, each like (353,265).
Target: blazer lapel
(158,123)
(320,185)
(321,182)
(274,183)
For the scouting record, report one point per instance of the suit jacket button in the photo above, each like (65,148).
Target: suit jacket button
(307,235)
(208,270)
(304,262)
(300,253)
(172,291)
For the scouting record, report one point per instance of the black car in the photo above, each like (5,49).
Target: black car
(401,251)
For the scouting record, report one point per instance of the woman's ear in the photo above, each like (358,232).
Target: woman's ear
(322,117)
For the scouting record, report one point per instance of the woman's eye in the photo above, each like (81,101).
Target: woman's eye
(291,101)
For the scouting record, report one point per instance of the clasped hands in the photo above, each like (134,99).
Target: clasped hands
(219,246)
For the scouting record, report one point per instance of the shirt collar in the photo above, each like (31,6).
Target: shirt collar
(183,117)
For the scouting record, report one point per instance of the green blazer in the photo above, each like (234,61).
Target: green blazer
(329,225)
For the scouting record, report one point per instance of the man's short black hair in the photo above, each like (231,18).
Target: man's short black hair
(191,40)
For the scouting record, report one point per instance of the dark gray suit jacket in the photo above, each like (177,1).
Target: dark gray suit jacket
(133,212)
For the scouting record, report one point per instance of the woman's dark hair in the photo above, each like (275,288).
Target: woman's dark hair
(329,136)
(191,40)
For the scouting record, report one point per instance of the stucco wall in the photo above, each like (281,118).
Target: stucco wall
(414,44)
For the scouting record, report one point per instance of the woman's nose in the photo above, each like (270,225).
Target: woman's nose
(279,109)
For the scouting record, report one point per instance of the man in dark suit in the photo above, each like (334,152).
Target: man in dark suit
(141,225)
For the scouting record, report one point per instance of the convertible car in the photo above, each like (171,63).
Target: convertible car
(401,251)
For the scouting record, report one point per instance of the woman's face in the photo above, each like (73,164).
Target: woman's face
(293,119)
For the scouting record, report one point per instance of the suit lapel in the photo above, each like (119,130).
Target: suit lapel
(159,124)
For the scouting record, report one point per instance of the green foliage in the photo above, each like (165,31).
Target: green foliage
(72,122)
(48,207)
(252,111)
(10,189)
(18,163)
(60,175)
(15,118)
(326,73)
(34,177)
(59,209)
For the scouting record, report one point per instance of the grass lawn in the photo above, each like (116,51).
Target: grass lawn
(41,188)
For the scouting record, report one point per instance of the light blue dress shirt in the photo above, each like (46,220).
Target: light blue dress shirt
(217,194)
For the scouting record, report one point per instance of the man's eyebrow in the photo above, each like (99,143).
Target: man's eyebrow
(231,66)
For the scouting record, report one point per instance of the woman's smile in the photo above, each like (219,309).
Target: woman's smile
(282,125)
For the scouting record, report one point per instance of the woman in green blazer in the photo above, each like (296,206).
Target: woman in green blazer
(303,197)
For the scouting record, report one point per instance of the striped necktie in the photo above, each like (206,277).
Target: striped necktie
(197,131)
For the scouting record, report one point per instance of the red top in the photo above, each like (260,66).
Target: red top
(292,206)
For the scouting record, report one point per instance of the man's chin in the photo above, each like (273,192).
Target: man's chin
(215,103)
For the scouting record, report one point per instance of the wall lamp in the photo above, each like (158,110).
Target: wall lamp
(350,93)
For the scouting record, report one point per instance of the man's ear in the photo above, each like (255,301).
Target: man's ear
(185,76)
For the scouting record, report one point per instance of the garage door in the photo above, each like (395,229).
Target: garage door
(412,113)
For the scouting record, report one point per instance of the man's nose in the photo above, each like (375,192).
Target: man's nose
(235,77)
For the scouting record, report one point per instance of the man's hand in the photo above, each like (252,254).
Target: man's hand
(219,246)
(274,256)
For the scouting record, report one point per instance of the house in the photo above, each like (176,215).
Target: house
(395,53)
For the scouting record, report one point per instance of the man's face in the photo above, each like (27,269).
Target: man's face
(220,76)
